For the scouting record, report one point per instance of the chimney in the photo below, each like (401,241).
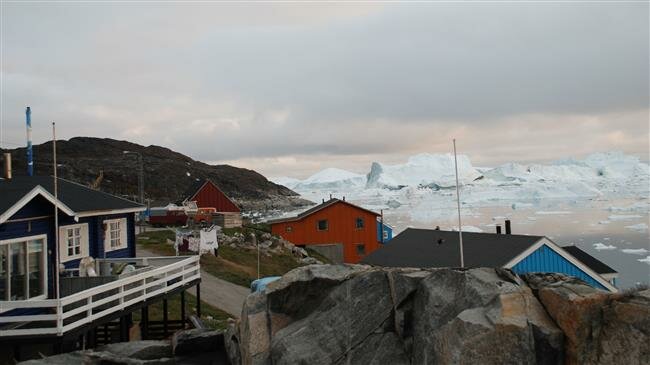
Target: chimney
(323,200)
(498,229)
(343,197)
(508,229)
(7,165)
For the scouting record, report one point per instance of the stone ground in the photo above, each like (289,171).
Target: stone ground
(214,291)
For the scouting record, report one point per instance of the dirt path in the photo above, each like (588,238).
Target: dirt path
(218,293)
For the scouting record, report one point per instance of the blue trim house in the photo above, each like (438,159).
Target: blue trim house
(91,223)
(521,253)
(387,232)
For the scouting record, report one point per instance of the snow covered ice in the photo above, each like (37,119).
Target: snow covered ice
(600,246)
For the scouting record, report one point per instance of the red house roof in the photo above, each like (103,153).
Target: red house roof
(207,194)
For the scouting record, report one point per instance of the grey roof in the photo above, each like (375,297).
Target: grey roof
(433,248)
(317,208)
(75,196)
(592,262)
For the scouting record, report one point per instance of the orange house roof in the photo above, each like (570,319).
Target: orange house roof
(318,208)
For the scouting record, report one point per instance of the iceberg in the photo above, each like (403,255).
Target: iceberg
(288,182)
(646,260)
(331,179)
(423,170)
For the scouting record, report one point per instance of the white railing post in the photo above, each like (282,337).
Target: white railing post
(89,304)
(121,291)
(59,318)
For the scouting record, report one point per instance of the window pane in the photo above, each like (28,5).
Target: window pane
(3,272)
(359,222)
(18,280)
(36,271)
(361,249)
(322,225)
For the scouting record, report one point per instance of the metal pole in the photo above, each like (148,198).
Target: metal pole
(56,215)
(460,226)
(30,154)
(141,179)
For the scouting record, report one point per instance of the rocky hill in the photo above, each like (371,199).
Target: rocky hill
(167,174)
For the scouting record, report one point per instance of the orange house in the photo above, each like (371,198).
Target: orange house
(332,222)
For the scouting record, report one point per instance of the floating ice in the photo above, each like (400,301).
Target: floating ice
(600,246)
(641,227)
(623,217)
(604,222)
(553,212)
(635,251)
(646,260)
(642,207)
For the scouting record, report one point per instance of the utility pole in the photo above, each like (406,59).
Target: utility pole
(140,181)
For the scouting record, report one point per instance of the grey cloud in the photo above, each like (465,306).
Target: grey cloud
(232,82)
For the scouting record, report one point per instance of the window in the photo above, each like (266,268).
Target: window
(73,241)
(385,234)
(322,225)
(22,268)
(115,234)
(359,223)
(289,229)
(361,249)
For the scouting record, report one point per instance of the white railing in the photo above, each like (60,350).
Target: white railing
(75,310)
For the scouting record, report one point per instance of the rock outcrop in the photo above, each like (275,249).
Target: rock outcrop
(355,314)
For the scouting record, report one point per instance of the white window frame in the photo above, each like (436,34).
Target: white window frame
(63,242)
(43,261)
(123,235)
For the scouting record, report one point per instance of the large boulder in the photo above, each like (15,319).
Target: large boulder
(352,311)
(197,340)
(600,328)
(141,350)
(482,316)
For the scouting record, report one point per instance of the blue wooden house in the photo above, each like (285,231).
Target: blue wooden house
(384,232)
(91,224)
(430,248)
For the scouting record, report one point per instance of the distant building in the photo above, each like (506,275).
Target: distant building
(206,194)
(340,230)
(429,248)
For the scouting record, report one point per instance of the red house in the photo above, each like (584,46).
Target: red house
(331,227)
(207,195)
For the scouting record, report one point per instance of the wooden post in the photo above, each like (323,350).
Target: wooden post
(198,300)
(124,329)
(144,323)
(183,308)
(165,317)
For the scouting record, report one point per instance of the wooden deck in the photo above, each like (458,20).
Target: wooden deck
(58,317)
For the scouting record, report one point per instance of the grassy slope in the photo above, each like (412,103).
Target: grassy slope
(237,266)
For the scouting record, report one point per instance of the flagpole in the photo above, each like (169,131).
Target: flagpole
(56,215)
(460,226)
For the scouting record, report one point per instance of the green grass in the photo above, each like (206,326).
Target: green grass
(218,318)
(236,265)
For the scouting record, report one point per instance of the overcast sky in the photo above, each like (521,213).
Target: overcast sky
(289,89)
